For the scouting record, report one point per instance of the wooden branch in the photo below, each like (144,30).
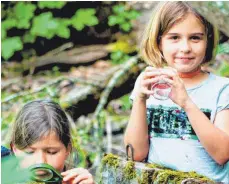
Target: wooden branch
(113,81)
(81,55)
(48,84)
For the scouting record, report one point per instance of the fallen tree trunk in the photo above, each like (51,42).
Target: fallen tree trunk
(76,56)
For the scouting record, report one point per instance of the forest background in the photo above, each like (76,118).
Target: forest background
(83,55)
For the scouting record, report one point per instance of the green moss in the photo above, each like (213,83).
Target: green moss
(145,177)
(171,176)
(129,171)
(111,160)
(158,174)
(156,166)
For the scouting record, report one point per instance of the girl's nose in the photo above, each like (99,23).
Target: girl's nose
(40,158)
(185,46)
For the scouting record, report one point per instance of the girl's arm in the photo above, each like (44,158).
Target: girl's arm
(214,137)
(137,129)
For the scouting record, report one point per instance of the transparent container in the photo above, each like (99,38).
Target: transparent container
(161,90)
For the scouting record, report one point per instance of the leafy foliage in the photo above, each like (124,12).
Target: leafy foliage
(119,57)
(122,17)
(29,22)
(223,48)
(21,16)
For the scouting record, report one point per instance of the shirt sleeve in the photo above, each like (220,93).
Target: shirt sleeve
(133,93)
(223,98)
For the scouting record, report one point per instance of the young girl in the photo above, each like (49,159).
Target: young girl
(190,130)
(41,134)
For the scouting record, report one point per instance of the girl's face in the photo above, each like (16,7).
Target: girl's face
(184,45)
(49,150)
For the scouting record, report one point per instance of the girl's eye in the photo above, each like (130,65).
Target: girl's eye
(29,152)
(174,37)
(52,152)
(195,38)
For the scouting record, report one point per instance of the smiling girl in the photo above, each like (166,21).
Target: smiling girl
(190,130)
(41,134)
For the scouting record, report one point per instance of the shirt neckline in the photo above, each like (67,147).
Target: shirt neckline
(202,83)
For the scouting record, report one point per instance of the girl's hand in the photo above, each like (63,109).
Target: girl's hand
(178,92)
(77,176)
(146,80)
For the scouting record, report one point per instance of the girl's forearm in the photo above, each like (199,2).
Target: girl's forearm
(137,130)
(214,140)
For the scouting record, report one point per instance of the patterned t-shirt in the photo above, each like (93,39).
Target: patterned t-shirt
(173,142)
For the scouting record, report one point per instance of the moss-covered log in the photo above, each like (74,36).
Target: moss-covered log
(118,170)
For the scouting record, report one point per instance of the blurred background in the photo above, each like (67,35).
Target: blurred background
(83,55)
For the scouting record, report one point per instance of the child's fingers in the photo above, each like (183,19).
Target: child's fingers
(151,74)
(72,173)
(83,178)
(146,82)
(168,80)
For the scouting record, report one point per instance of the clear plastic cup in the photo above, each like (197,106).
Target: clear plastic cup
(161,90)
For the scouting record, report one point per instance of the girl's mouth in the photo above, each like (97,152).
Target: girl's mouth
(185,59)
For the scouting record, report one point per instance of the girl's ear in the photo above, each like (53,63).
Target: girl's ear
(13,148)
(69,149)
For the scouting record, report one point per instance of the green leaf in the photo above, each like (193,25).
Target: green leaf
(44,25)
(3,34)
(28,38)
(118,9)
(116,55)
(126,26)
(223,69)
(223,48)
(133,14)
(51,4)
(9,23)
(112,20)
(23,12)
(84,17)
(63,30)
(10,45)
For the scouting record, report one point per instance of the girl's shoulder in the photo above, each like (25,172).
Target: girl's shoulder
(218,81)
(219,78)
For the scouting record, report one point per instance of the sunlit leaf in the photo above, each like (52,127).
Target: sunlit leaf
(112,20)
(84,17)
(118,9)
(10,45)
(63,30)
(23,12)
(9,23)
(133,14)
(126,26)
(44,25)
(51,4)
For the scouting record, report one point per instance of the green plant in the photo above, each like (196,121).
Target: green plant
(118,57)
(223,48)
(122,16)
(21,16)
